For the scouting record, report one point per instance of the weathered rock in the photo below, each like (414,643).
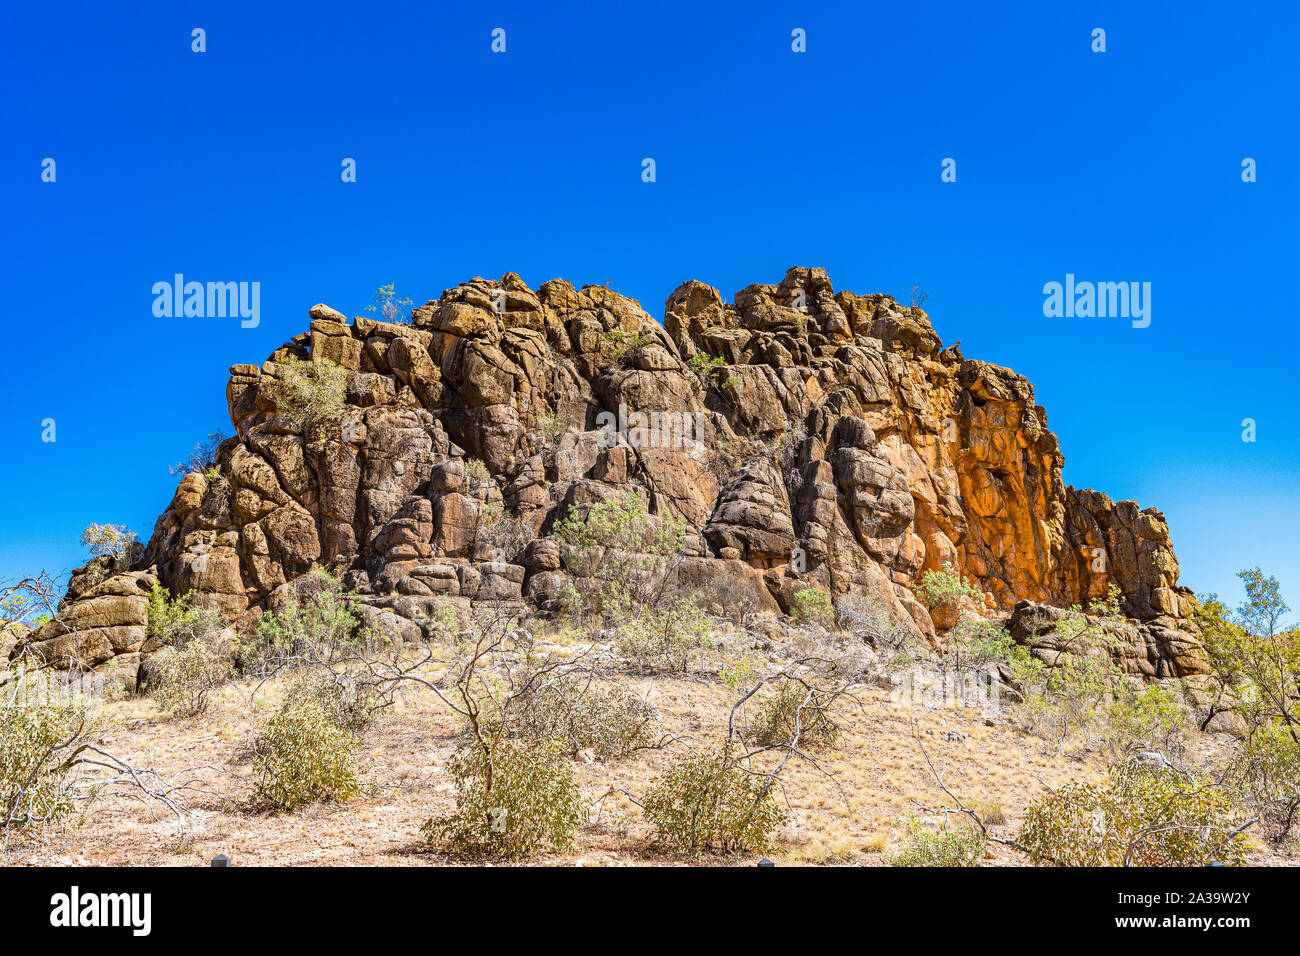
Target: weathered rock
(833,441)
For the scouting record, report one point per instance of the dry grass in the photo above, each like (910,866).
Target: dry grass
(854,818)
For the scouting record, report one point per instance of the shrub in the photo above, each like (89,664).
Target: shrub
(1266,771)
(306,392)
(609,720)
(203,456)
(303,756)
(1154,718)
(813,606)
(711,370)
(1140,816)
(794,704)
(36,748)
(621,558)
(350,698)
(185,677)
(949,845)
(318,627)
(975,641)
(665,639)
(176,621)
(944,589)
(512,800)
(476,473)
(707,800)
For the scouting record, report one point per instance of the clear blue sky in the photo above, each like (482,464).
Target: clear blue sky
(226,166)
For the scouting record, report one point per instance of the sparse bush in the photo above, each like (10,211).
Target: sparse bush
(307,392)
(708,800)
(952,844)
(794,710)
(185,677)
(511,801)
(666,639)
(1141,816)
(1266,772)
(711,370)
(813,606)
(318,628)
(868,621)
(386,307)
(621,558)
(1153,718)
(349,697)
(303,756)
(975,641)
(203,457)
(176,621)
(476,473)
(609,720)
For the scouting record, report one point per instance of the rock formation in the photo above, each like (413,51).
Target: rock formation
(805,436)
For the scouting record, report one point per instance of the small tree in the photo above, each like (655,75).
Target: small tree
(387,307)
(113,541)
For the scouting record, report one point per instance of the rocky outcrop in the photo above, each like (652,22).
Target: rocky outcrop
(804,436)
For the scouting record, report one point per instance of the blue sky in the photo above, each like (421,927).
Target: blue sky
(225,165)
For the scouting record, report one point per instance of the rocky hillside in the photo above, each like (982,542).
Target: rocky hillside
(805,436)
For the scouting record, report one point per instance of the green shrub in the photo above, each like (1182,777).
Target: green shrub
(176,622)
(945,589)
(510,803)
(621,558)
(303,756)
(320,627)
(1153,718)
(1266,771)
(37,744)
(952,844)
(775,722)
(707,800)
(813,606)
(306,392)
(1140,816)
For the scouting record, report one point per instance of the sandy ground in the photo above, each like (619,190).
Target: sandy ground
(856,818)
